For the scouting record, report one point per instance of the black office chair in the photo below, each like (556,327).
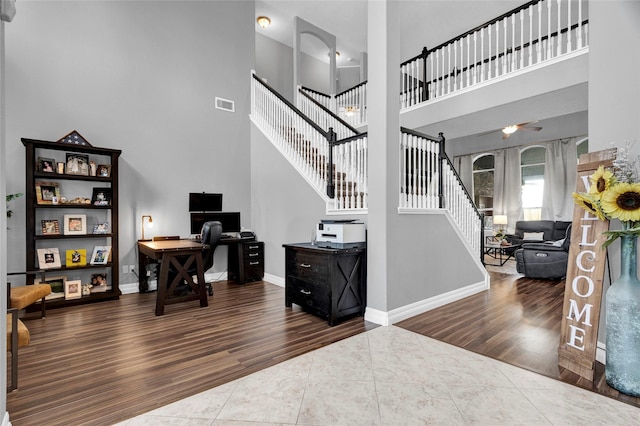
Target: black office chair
(210,235)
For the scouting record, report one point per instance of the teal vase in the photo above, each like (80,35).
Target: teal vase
(622,371)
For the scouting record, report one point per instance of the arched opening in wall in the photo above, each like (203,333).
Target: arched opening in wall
(315,72)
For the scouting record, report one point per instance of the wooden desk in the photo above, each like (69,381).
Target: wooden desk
(181,254)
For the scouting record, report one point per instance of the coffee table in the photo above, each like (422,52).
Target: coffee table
(500,252)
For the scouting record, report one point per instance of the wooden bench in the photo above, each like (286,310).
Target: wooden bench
(17,337)
(22,296)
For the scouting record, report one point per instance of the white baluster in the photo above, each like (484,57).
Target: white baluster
(548,29)
(475,57)
(569,33)
(579,28)
(468,60)
(521,39)
(489,56)
(539,49)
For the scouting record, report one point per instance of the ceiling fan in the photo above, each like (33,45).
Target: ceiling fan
(509,130)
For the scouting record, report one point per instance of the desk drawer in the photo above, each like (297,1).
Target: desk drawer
(308,266)
(308,294)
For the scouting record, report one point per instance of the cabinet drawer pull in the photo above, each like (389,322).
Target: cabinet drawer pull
(305,265)
(253,247)
(254,263)
(305,292)
(254,254)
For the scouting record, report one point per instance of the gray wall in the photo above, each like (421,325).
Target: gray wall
(141,77)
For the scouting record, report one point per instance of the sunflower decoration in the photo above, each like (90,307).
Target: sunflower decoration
(614,194)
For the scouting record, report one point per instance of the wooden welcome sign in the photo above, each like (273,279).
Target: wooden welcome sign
(585,273)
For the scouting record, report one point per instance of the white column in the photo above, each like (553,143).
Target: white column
(384,137)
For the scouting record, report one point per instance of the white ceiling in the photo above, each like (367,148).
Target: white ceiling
(422,23)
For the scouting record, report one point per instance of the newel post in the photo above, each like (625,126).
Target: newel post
(425,81)
(331,187)
(441,158)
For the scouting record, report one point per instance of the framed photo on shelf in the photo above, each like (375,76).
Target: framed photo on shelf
(98,283)
(73,289)
(50,227)
(56,283)
(101,197)
(100,255)
(60,168)
(49,258)
(104,170)
(77,164)
(101,228)
(76,257)
(75,224)
(46,165)
(46,192)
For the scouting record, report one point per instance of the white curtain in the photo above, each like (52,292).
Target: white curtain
(464,167)
(507,186)
(560,174)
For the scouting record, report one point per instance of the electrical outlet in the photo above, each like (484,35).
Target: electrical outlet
(125,269)
(132,269)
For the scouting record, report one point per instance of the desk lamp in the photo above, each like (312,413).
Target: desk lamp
(150,224)
(500,219)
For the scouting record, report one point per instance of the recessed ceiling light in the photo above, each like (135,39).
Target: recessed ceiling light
(263,21)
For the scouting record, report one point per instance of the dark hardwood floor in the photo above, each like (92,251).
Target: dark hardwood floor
(517,321)
(103,363)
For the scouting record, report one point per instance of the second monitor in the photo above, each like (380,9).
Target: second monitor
(230,221)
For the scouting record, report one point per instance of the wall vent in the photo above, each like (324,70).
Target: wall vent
(225,104)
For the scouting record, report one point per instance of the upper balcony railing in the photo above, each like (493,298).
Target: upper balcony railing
(531,34)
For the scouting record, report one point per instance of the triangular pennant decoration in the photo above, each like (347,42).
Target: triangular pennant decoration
(74,138)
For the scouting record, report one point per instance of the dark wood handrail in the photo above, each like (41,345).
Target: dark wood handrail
(315,91)
(357,85)
(349,139)
(328,111)
(290,105)
(418,134)
(478,28)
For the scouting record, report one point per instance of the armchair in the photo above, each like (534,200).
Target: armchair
(546,260)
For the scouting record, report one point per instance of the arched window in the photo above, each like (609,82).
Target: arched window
(532,170)
(483,168)
(582,146)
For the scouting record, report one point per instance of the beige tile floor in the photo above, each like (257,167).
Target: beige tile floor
(391,376)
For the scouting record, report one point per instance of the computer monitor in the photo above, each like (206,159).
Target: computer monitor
(205,202)
(230,221)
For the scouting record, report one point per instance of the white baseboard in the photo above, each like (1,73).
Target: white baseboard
(601,352)
(5,419)
(274,279)
(396,315)
(129,288)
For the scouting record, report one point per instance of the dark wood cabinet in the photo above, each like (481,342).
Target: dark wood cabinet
(246,261)
(71,189)
(328,282)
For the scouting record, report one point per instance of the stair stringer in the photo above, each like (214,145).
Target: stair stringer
(330,204)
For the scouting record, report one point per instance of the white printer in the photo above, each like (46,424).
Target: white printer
(340,233)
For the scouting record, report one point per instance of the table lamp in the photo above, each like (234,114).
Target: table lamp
(500,219)
(150,222)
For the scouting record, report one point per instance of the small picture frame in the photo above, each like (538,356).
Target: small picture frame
(60,168)
(47,192)
(73,289)
(101,197)
(98,283)
(104,170)
(75,258)
(75,224)
(77,164)
(49,258)
(100,255)
(56,283)
(46,165)
(50,227)
(101,228)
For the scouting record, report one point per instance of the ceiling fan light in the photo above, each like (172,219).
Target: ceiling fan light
(509,130)
(263,21)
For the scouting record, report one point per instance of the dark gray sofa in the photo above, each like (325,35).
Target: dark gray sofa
(546,259)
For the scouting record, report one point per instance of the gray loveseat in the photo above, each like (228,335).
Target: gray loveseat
(545,248)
